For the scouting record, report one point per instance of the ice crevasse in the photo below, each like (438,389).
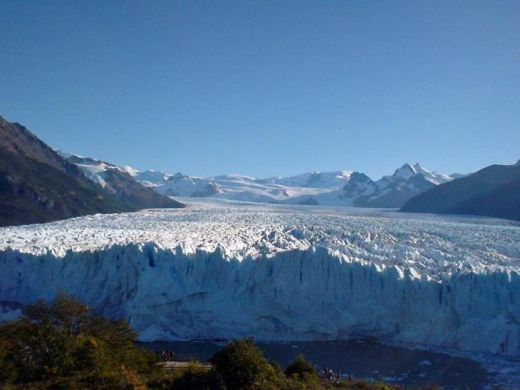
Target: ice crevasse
(276,275)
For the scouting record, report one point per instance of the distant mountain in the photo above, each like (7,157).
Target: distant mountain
(120,184)
(392,191)
(336,188)
(103,173)
(38,185)
(493,191)
(316,179)
(178,184)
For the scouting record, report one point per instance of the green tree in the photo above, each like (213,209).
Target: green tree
(242,365)
(65,344)
(302,370)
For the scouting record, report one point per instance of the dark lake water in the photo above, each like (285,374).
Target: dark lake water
(362,359)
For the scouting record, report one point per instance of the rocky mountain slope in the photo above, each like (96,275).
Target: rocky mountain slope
(121,185)
(38,185)
(493,191)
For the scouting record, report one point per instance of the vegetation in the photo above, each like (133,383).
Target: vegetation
(63,345)
(242,365)
(302,370)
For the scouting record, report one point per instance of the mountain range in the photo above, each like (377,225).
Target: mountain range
(337,188)
(493,191)
(39,185)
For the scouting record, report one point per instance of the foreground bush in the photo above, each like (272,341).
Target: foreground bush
(302,370)
(63,345)
(242,365)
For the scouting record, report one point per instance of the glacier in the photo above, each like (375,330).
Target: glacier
(222,270)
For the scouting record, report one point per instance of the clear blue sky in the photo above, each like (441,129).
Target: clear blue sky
(267,88)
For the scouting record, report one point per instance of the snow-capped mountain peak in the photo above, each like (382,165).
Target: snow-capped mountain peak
(94,169)
(406,171)
(393,190)
(131,171)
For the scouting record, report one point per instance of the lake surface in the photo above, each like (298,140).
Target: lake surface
(362,359)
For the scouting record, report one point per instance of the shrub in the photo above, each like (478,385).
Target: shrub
(242,365)
(301,370)
(65,345)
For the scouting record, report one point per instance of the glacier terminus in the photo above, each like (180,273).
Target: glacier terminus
(222,270)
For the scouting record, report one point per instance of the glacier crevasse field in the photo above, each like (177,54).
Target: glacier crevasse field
(227,270)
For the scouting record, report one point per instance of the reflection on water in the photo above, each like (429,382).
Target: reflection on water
(361,359)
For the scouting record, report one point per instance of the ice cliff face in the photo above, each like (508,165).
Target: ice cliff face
(280,273)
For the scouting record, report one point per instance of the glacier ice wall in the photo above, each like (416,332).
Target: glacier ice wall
(450,284)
